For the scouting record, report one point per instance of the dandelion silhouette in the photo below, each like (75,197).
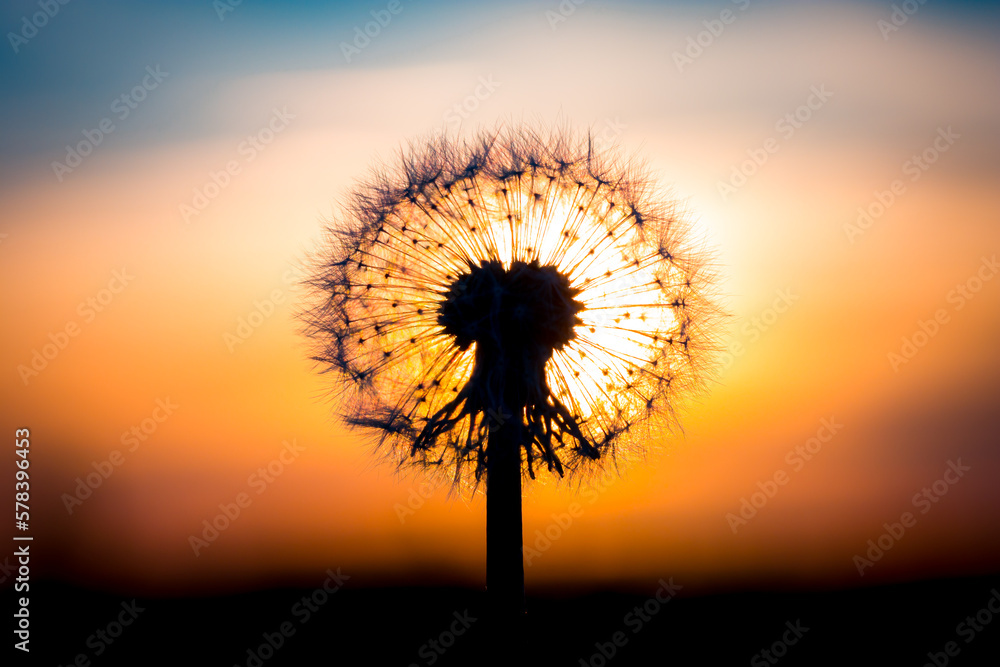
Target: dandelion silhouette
(508,305)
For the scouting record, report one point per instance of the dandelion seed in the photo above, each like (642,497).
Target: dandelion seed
(510,306)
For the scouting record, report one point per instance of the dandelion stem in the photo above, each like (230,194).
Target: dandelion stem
(504,534)
(509,304)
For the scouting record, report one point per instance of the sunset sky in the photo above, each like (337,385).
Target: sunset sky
(166,169)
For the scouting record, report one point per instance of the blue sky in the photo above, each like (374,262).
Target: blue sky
(91,51)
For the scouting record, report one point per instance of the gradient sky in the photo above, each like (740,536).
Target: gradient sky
(789,235)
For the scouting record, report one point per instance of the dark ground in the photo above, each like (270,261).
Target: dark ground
(886,625)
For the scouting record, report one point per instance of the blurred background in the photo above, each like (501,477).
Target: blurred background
(165,169)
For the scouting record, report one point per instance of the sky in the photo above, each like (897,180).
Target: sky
(166,169)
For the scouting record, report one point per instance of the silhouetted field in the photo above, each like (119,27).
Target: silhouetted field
(888,625)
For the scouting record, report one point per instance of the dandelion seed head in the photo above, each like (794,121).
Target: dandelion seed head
(511,276)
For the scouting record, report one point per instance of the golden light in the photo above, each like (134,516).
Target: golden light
(617,293)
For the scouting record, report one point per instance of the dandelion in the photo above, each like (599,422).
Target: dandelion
(510,306)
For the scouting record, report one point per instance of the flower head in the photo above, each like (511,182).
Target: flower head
(512,276)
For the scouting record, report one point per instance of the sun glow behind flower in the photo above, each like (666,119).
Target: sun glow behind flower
(562,242)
